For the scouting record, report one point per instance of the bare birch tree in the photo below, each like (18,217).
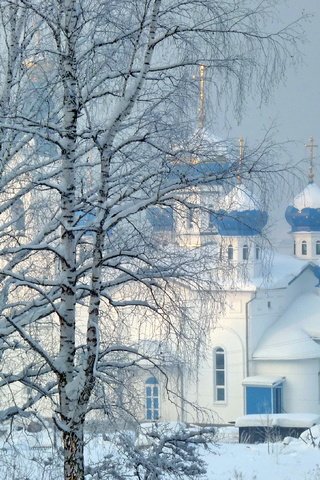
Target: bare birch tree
(94,115)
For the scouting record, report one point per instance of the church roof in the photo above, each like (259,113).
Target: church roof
(240,199)
(296,334)
(240,214)
(279,271)
(308,198)
(304,214)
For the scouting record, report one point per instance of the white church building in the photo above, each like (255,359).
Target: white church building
(263,354)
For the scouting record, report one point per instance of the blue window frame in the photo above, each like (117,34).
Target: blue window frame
(263,399)
(152,399)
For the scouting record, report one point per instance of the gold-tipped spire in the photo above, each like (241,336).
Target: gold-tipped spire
(201,110)
(241,158)
(311,145)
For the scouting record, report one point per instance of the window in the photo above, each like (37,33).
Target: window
(230,252)
(257,252)
(245,252)
(263,399)
(152,399)
(304,247)
(219,375)
(318,247)
(18,216)
(190,217)
(294,248)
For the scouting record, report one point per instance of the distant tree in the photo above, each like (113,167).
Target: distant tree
(95,129)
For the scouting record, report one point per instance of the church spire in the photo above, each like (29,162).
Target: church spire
(311,145)
(241,158)
(201,109)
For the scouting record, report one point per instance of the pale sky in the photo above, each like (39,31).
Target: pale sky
(294,108)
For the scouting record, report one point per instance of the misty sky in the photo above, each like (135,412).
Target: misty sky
(294,108)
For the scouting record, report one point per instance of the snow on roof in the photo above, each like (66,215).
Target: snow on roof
(308,198)
(278,272)
(303,420)
(240,199)
(294,335)
(262,381)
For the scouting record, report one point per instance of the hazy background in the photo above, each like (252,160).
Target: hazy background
(293,110)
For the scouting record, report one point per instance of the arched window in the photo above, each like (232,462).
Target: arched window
(152,399)
(257,252)
(245,252)
(318,247)
(304,247)
(219,375)
(294,248)
(230,252)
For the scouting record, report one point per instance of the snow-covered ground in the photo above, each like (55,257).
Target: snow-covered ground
(26,456)
(276,461)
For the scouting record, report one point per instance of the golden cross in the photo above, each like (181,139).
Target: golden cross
(241,145)
(312,146)
(201,111)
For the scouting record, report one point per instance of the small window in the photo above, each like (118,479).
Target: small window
(304,247)
(269,304)
(18,216)
(230,252)
(245,252)
(257,252)
(318,247)
(152,399)
(219,375)
(190,218)
(294,248)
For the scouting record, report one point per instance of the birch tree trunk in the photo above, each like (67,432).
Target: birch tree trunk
(73,436)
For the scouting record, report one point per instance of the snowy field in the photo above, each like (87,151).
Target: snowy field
(26,456)
(277,461)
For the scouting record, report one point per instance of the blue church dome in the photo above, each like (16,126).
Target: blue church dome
(240,215)
(304,214)
(161,218)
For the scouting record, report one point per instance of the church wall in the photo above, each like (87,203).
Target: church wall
(229,334)
(301,387)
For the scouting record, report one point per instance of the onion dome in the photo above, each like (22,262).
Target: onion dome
(161,218)
(304,214)
(240,214)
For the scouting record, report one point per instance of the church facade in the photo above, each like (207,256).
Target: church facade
(263,355)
